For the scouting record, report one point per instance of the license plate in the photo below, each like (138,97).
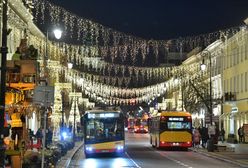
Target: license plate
(105,150)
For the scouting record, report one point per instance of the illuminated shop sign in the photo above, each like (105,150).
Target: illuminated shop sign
(103,115)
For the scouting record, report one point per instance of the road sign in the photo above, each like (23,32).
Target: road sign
(44,95)
(214,119)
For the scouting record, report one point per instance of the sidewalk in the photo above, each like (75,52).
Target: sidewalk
(235,153)
(64,162)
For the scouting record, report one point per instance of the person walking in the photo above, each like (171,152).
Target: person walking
(241,134)
(196,138)
(222,135)
(204,136)
(39,136)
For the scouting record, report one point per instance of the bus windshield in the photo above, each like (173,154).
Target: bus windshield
(104,129)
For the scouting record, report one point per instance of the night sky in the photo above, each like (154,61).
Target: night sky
(161,19)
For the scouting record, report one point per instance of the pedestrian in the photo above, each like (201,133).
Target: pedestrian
(49,137)
(222,134)
(204,136)
(39,136)
(216,135)
(241,134)
(196,138)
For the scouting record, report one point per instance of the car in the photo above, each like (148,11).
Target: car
(140,129)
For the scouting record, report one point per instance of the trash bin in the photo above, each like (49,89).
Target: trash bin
(210,145)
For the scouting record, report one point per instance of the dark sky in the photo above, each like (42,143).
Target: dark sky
(161,19)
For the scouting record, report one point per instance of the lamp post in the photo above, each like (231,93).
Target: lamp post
(4,51)
(63,121)
(57,34)
(203,67)
(70,65)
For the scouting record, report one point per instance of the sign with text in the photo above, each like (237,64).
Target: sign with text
(44,95)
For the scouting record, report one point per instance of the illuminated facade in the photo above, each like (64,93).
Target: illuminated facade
(235,81)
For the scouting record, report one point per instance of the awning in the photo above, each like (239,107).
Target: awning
(240,113)
(22,86)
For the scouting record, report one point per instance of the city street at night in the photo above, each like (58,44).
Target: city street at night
(123,84)
(140,154)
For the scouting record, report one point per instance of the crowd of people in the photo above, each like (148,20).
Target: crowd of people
(203,134)
(38,136)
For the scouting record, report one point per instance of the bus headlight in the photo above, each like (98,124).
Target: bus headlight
(89,149)
(119,148)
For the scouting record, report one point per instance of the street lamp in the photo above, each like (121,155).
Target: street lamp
(206,53)
(57,34)
(4,51)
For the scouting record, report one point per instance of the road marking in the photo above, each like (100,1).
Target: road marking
(132,160)
(174,160)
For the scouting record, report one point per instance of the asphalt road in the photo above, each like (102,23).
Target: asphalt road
(140,154)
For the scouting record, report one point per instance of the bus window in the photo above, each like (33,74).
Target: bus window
(99,129)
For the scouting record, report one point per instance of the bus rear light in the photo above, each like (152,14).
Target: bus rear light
(189,118)
(162,118)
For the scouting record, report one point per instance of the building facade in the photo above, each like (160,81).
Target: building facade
(235,82)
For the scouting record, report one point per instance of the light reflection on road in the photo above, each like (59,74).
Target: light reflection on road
(119,162)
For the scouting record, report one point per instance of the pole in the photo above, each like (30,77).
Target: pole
(182,93)
(62,124)
(44,140)
(210,91)
(4,51)
(44,131)
(74,118)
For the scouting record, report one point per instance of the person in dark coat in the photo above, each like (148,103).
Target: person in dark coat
(222,134)
(241,134)
(204,136)
(39,136)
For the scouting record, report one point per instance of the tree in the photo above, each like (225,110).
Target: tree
(196,94)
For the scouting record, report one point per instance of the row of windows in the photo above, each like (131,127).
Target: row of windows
(236,52)
(237,83)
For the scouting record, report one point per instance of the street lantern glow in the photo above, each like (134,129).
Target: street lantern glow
(70,65)
(203,66)
(57,33)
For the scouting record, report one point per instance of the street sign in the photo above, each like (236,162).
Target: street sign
(214,119)
(44,95)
